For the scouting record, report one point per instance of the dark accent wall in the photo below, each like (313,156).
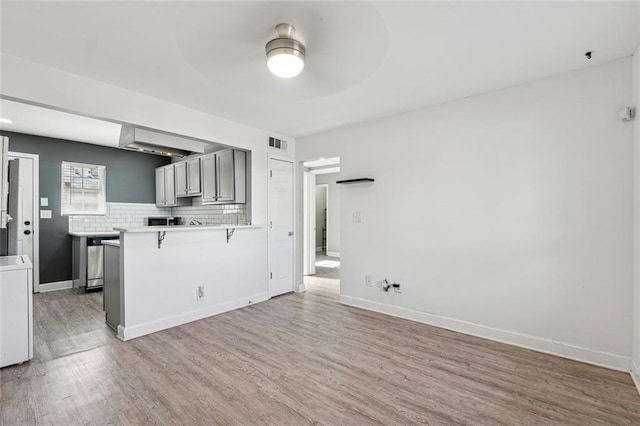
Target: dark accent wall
(130,179)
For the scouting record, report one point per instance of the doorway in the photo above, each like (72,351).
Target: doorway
(321,196)
(322,192)
(22,234)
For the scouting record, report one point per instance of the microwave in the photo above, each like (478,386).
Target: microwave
(164,221)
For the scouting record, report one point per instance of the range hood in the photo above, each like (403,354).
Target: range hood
(159,143)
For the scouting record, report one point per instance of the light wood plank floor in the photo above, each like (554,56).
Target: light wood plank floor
(296,359)
(326,267)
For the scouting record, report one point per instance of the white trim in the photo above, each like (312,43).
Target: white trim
(635,374)
(305,223)
(35,191)
(131,332)
(311,248)
(333,253)
(301,288)
(552,347)
(59,285)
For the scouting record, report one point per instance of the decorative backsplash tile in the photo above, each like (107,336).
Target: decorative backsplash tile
(118,215)
(218,214)
(124,215)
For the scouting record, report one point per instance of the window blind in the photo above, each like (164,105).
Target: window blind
(83,189)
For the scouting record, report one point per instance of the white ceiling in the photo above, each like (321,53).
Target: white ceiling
(364,60)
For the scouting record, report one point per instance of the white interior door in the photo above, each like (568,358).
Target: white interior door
(281,225)
(24,210)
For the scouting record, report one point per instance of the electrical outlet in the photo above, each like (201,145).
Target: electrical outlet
(200,293)
(357,217)
(368,281)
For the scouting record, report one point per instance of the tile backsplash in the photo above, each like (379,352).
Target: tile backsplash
(118,215)
(218,214)
(126,215)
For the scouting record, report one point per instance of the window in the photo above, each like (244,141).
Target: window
(83,189)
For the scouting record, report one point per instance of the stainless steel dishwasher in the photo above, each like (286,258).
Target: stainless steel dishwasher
(88,262)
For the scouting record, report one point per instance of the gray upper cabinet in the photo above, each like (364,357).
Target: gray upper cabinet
(160,200)
(166,186)
(170,185)
(182,189)
(224,177)
(193,176)
(188,178)
(208,181)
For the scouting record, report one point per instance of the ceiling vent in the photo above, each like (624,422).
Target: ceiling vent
(277,143)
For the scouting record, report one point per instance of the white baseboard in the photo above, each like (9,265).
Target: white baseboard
(59,285)
(635,374)
(552,347)
(333,254)
(131,332)
(300,288)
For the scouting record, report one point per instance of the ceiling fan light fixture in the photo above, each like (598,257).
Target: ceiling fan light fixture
(285,55)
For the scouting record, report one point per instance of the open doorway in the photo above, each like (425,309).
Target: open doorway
(322,223)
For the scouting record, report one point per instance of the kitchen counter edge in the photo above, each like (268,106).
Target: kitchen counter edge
(186,228)
(95,234)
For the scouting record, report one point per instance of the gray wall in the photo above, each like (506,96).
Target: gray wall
(333,210)
(130,179)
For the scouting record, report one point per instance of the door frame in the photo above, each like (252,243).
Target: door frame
(35,184)
(309,220)
(296,245)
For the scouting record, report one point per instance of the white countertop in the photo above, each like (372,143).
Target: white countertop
(114,243)
(185,228)
(95,234)
(10,263)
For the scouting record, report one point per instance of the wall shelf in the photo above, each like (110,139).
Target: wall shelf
(360,180)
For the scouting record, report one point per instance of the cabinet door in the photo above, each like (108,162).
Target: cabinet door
(182,182)
(193,176)
(208,181)
(170,185)
(160,194)
(225,175)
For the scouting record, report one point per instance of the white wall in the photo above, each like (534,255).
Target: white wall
(507,215)
(334,211)
(636,217)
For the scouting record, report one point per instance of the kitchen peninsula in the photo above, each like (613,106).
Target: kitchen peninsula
(173,275)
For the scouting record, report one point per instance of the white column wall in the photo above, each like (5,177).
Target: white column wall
(161,284)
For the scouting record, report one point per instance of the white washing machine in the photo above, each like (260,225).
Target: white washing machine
(16,310)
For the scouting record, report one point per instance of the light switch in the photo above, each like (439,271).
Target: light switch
(44,202)
(357,217)
(45,214)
